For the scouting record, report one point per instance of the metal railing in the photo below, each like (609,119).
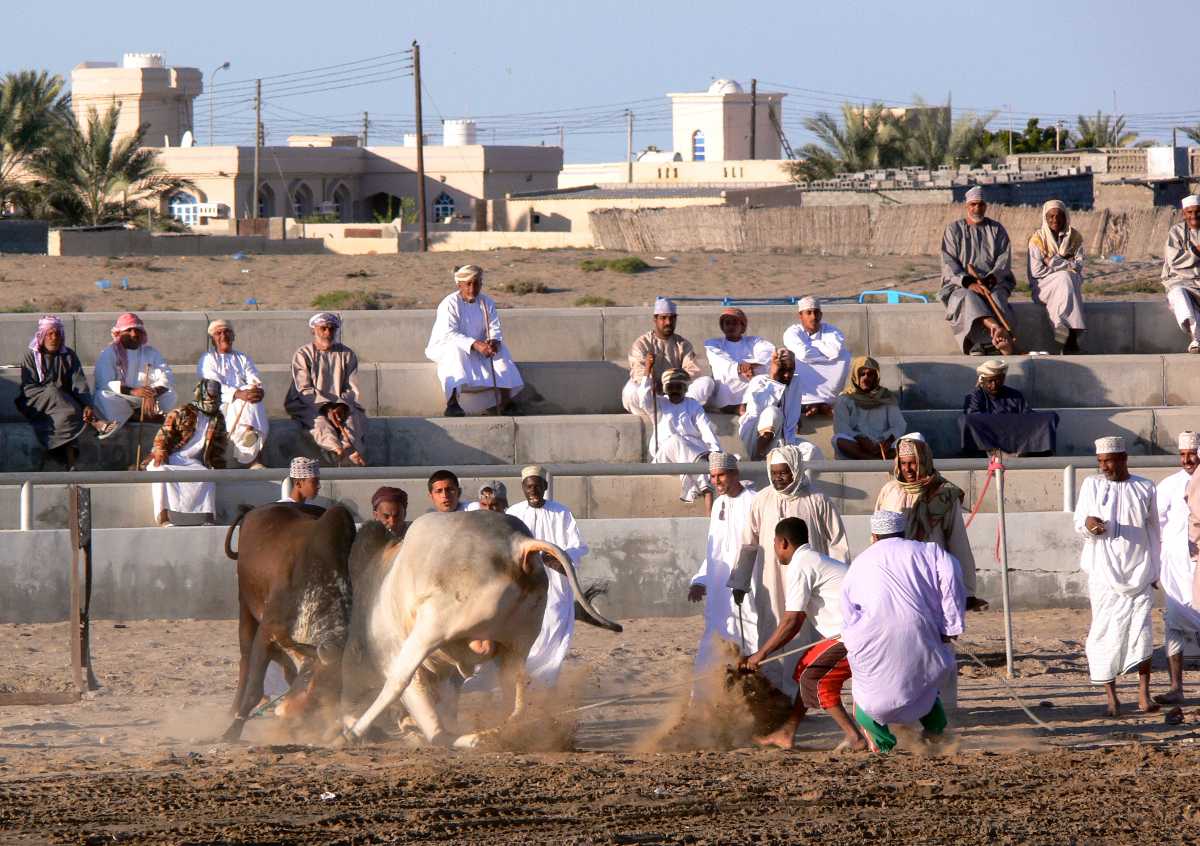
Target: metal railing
(27,482)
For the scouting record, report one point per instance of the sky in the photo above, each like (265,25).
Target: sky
(523,69)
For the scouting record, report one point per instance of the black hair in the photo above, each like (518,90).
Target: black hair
(443,476)
(793,529)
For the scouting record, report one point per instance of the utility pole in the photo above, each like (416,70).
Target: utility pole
(258,139)
(562,138)
(1057,136)
(1010,146)
(212,88)
(366,129)
(753,115)
(629,145)
(422,222)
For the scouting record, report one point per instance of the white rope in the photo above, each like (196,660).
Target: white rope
(1009,688)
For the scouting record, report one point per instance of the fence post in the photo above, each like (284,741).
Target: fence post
(26,505)
(1069,489)
(1003,538)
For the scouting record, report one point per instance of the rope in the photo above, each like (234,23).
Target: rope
(689,682)
(1008,687)
(993,465)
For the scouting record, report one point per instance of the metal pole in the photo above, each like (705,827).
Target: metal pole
(26,505)
(1008,637)
(366,129)
(1010,144)
(257,144)
(562,138)
(629,145)
(212,90)
(1069,489)
(753,115)
(422,222)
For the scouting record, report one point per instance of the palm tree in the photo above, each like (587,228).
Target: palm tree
(854,144)
(928,135)
(971,143)
(94,177)
(1103,131)
(34,114)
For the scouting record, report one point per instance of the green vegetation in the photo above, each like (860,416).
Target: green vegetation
(341,300)
(322,217)
(521,287)
(628,264)
(594,300)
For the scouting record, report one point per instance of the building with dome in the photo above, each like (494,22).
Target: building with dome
(716,125)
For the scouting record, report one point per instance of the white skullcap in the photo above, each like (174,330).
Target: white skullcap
(305,468)
(722,461)
(888,523)
(913,436)
(326,317)
(533,470)
(975,193)
(808,304)
(498,489)
(1189,201)
(662,305)
(467,272)
(1112,444)
(219,323)
(1189,440)
(994,367)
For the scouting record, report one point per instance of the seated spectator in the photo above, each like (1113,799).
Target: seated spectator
(822,360)
(390,506)
(192,437)
(132,377)
(324,397)
(304,480)
(54,396)
(866,417)
(1056,274)
(684,432)
(977,280)
(445,492)
(735,359)
(763,425)
(241,393)
(1181,270)
(493,496)
(466,336)
(996,417)
(658,351)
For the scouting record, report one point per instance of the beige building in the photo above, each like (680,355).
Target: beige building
(716,125)
(149,93)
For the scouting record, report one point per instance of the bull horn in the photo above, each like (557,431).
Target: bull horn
(531,545)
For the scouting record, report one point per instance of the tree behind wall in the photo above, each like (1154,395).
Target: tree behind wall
(34,114)
(92,177)
(1104,131)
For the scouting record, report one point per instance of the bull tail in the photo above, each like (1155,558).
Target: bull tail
(230,552)
(568,569)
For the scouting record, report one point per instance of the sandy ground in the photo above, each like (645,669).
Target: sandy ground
(412,280)
(138,760)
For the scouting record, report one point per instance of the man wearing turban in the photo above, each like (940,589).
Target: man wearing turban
(325,398)
(1177,567)
(659,350)
(1181,271)
(1056,274)
(132,377)
(241,393)
(390,506)
(866,417)
(976,262)
(734,360)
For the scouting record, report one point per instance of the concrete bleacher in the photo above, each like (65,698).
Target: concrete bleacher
(573,360)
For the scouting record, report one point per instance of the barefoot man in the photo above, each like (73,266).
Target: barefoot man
(1176,565)
(814,589)
(1117,515)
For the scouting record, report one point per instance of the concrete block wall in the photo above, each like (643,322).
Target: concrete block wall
(183,572)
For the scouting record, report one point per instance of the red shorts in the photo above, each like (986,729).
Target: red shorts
(822,671)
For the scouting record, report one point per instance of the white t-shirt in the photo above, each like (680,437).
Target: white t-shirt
(813,584)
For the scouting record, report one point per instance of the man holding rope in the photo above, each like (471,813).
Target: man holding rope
(814,590)
(977,280)
(902,603)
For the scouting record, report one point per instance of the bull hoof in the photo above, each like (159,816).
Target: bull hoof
(234,733)
(347,740)
(467,741)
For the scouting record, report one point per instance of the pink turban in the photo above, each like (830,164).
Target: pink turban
(126,321)
(45,324)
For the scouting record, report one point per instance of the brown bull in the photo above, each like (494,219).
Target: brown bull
(294,605)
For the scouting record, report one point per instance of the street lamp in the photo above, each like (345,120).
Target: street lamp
(212,77)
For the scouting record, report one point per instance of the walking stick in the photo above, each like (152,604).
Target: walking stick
(137,464)
(991,301)
(487,325)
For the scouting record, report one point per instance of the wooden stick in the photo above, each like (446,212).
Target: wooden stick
(991,301)
(137,464)
(487,325)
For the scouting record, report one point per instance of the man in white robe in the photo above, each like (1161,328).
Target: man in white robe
(1176,567)
(734,360)
(660,350)
(822,362)
(764,425)
(468,347)
(241,393)
(1117,515)
(1056,274)
(550,521)
(191,438)
(132,378)
(788,496)
(1181,271)
(723,618)
(684,432)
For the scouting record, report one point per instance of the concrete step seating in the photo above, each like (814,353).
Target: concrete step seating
(603,334)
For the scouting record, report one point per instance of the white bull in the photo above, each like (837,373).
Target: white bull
(458,580)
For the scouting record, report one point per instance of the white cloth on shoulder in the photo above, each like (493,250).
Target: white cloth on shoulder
(119,407)
(458,325)
(180,496)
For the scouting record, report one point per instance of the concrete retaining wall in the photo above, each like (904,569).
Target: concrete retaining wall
(648,563)
(24,236)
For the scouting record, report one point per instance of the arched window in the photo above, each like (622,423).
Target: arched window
(184,208)
(266,201)
(443,207)
(302,201)
(697,146)
(342,205)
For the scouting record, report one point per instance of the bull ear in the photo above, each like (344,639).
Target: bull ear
(531,560)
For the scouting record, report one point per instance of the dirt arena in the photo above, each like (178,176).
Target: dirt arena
(138,761)
(516,278)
